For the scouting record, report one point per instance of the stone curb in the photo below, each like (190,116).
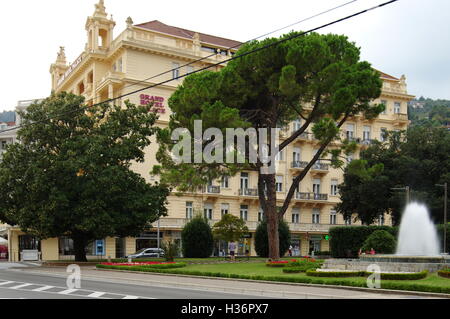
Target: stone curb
(368,290)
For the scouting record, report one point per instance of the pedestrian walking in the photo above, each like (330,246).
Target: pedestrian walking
(232,250)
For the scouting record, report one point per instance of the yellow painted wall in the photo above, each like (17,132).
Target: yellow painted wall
(50,249)
(110,247)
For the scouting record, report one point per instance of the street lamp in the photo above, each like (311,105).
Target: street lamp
(157,240)
(407,189)
(445,215)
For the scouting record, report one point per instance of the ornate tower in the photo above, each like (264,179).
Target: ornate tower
(58,68)
(99,30)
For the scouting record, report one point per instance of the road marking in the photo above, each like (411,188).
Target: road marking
(130,297)
(67,291)
(96,294)
(43,288)
(6,282)
(21,286)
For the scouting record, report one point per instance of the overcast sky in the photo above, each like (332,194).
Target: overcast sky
(408,37)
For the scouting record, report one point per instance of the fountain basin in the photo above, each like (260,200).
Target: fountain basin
(442,259)
(391,263)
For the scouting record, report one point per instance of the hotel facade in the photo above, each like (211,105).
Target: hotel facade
(140,56)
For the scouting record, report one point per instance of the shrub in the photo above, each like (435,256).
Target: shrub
(170,249)
(337,274)
(322,253)
(346,241)
(262,240)
(444,273)
(197,238)
(381,241)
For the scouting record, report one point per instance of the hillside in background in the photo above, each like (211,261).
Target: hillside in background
(7,116)
(429,112)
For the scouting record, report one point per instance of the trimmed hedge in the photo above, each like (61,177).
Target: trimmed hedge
(300,279)
(335,274)
(144,268)
(346,241)
(383,276)
(444,273)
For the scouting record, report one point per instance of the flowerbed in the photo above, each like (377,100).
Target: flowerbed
(136,265)
(444,273)
(278,263)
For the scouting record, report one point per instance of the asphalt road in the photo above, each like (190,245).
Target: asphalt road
(15,284)
(50,283)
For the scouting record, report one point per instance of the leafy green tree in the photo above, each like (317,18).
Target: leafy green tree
(381,241)
(230,228)
(262,239)
(318,79)
(70,175)
(197,238)
(417,158)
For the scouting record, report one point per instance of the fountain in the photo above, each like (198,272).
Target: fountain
(417,234)
(417,247)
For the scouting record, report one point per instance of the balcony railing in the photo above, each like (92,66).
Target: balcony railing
(210,189)
(367,142)
(321,167)
(248,192)
(299,164)
(179,223)
(309,227)
(401,117)
(311,196)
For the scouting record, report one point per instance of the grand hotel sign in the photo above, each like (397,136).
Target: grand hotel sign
(72,67)
(158,102)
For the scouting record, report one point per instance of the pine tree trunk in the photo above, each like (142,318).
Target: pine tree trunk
(79,245)
(272,218)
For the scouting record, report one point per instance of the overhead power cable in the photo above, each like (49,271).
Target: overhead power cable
(236,56)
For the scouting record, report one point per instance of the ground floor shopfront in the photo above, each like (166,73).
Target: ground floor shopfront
(53,249)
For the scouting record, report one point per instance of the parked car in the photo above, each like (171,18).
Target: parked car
(147,253)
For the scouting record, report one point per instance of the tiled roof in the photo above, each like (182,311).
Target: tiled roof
(387,76)
(158,26)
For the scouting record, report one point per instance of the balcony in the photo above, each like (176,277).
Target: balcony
(250,192)
(299,165)
(320,167)
(311,197)
(302,137)
(179,223)
(400,118)
(211,192)
(367,142)
(309,227)
(210,189)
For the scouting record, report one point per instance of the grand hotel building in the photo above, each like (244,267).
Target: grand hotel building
(110,67)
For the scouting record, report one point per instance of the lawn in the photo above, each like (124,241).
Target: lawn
(259,271)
